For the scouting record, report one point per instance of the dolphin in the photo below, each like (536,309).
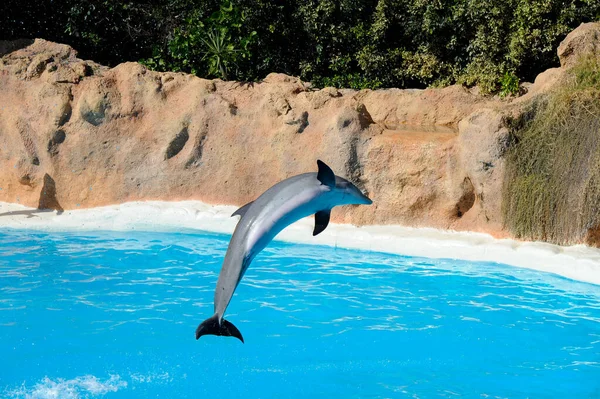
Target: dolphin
(262,219)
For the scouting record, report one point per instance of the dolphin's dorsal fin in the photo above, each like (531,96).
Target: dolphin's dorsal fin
(321,221)
(325,174)
(241,211)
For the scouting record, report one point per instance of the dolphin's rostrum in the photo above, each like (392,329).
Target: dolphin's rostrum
(261,220)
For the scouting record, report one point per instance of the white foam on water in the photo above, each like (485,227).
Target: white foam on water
(87,386)
(83,387)
(577,262)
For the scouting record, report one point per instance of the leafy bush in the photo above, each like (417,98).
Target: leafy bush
(346,43)
(509,84)
(211,46)
(113,31)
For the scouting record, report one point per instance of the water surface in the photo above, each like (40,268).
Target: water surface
(113,315)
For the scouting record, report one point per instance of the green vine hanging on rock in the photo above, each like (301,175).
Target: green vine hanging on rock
(552,186)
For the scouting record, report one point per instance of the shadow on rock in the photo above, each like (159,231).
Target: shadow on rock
(48,195)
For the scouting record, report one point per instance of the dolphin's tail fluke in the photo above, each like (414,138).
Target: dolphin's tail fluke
(211,326)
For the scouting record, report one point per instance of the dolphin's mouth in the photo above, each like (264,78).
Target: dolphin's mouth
(367,200)
(360,199)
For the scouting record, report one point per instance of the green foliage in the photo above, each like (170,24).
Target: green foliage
(345,43)
(483,73)
(211,46)
(351,81)
(509,84)
(113,31)
(552,189)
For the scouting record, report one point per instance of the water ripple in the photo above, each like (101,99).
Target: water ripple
(360,314)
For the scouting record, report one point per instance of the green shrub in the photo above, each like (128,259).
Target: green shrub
(509,84)
(212,46)
(347,43)
(113,31)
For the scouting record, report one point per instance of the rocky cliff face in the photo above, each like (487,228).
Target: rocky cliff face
(76,134)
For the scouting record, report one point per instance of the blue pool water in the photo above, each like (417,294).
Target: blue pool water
(113,315)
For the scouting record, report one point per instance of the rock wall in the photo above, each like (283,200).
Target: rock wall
(76,134)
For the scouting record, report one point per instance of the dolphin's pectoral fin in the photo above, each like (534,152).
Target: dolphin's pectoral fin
(211,326)
(241,211)
(325,174)
(321,221)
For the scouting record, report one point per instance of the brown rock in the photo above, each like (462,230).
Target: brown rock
(482,142)
(76,134)
(583,41)
(446,107)
(408,175)
(592,237)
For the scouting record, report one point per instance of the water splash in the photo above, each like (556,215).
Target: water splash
(87,386)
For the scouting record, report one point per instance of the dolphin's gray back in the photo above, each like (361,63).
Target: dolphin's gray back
(279,194)
(279,206)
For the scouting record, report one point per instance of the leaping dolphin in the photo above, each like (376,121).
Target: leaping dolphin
(262,219)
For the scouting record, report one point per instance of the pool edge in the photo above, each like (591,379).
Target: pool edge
(577,262)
